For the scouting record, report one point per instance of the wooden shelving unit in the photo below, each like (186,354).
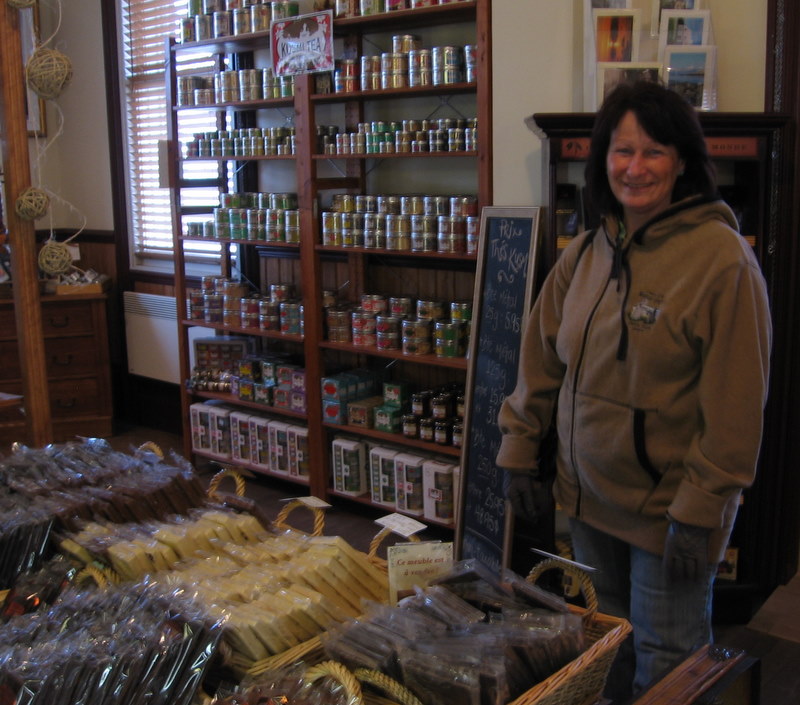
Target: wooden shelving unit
(314,268)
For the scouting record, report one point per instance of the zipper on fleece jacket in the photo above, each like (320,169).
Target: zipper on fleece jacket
(575,376)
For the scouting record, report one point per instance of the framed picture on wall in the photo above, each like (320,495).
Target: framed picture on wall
(611,74)
(684,28)
(616,34)
(610,4)
(691,71)
(660,5)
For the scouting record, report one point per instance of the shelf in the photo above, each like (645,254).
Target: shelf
(257,243)
(365,500)
(395,155)
(457,363)
(286,102)
(418,17)
(397,253)
(240,158)
(388,93)
(229,398)
(395,438)
(249,466)
(228,45)
(277,335)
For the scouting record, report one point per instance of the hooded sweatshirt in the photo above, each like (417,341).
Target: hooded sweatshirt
(656,348)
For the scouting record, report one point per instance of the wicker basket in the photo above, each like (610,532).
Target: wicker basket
(581,681)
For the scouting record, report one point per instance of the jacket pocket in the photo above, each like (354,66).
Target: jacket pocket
(640,444)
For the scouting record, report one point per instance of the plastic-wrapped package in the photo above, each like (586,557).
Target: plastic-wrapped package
(442,604)
(533,594)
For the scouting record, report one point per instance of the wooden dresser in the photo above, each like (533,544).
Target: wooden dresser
(77,362)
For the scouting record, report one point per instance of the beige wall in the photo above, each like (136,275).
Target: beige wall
(538,67)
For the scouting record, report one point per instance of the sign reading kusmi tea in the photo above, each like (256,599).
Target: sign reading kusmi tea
(504,286)
(302,44)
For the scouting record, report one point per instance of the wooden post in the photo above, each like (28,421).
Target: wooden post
(22,238)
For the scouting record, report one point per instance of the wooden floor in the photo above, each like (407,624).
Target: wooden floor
(772,636)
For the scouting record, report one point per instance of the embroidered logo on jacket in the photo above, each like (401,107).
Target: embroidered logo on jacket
(644,312)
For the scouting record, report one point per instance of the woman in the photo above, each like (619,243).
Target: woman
(649,345)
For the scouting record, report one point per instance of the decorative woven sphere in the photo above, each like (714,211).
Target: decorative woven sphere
(32,204)
(21,4)
(55,258)
(48,72)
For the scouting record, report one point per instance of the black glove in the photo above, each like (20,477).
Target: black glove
(685,552)
(529,496)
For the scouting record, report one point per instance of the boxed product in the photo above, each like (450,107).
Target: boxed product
(279,446)
(349,466)
(297,401)
(240,436)
(396,394)
(298,451)
(282,397)
(200,424)
(263,392)
(388,418)
(220,352)
(382,476)
(361,411)
(298,382)
(408,476)
(339,387)
(259,442)
(220,430)
(439,487)
(284,373)
(334,411)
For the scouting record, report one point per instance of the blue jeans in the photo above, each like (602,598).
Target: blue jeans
(669,621)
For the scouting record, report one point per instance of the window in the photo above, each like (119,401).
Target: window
(145,26)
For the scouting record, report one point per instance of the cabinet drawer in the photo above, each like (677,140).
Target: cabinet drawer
(79,397)
(64,357)
(66,318)
(59,318)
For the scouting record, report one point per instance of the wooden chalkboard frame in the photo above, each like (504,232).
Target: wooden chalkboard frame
(508,251)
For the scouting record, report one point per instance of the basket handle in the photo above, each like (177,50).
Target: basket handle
(339,673)
(101,576)
(150,447)
(580,576)
(319,516)
(215,481)
(391,687)
(372,554)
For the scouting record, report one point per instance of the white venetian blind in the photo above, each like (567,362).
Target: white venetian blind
(145,26)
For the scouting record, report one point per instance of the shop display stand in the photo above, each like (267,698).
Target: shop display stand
(314,268)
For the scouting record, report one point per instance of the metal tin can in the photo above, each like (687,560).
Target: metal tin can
(260,17)
(387,341)
(187,29)
(429,309)
(448,330)
(221,24)
(416,346)
(461,310)
(404,43)
(281,9)
(400,306)
(281,292)
(416,328)
(374,304)
(203,28)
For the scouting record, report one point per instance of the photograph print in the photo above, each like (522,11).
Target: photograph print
(660,5)
(684,28)
(616,34)
(611,74)
(690,72)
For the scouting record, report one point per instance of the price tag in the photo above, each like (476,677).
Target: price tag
(401,524)
(311,501)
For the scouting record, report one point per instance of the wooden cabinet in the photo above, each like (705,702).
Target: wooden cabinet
(76,362)
(316,267)
(749,151)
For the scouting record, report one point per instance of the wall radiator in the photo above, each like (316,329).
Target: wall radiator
(151,334)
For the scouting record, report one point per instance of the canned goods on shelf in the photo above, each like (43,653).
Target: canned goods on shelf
(416,346)
(430,309)
(416,328)
(373,304)
(461,310)
(387,341)
(448,330)
(400,306)
(340,335)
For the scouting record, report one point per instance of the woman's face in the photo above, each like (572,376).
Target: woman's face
(641,171)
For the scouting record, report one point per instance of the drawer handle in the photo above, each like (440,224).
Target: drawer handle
(61,404)
(62,360)
(61,322)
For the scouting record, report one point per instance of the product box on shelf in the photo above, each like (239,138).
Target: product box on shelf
(220,425)
(439,487)
(264,392)
(279,447)
(349,466)
(298,451)
(361,411)
(334,411)
(240,436)
(388,418)
(339,387)
(408,476)
(259,441)
(220,352)
(297,402)
(199,415)
(382,482)
(396,394)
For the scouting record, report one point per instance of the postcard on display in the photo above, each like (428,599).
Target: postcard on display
(616,34)
(610,74)
(610,4)
(684,28)
(659,6)
(690,71)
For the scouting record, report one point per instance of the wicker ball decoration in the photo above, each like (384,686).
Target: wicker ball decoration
(55,258)
(21,4)
(32,203)
(48,72)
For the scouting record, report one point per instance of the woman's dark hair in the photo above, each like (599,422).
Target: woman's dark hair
(668,118)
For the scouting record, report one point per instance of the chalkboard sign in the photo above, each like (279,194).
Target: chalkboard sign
(504,286)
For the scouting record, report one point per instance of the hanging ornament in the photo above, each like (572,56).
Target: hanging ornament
(48,72)
(55,258)
(21,4)
(32,203)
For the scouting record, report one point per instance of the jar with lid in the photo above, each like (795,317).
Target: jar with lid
(442,431)
(410,426)
(426,429)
